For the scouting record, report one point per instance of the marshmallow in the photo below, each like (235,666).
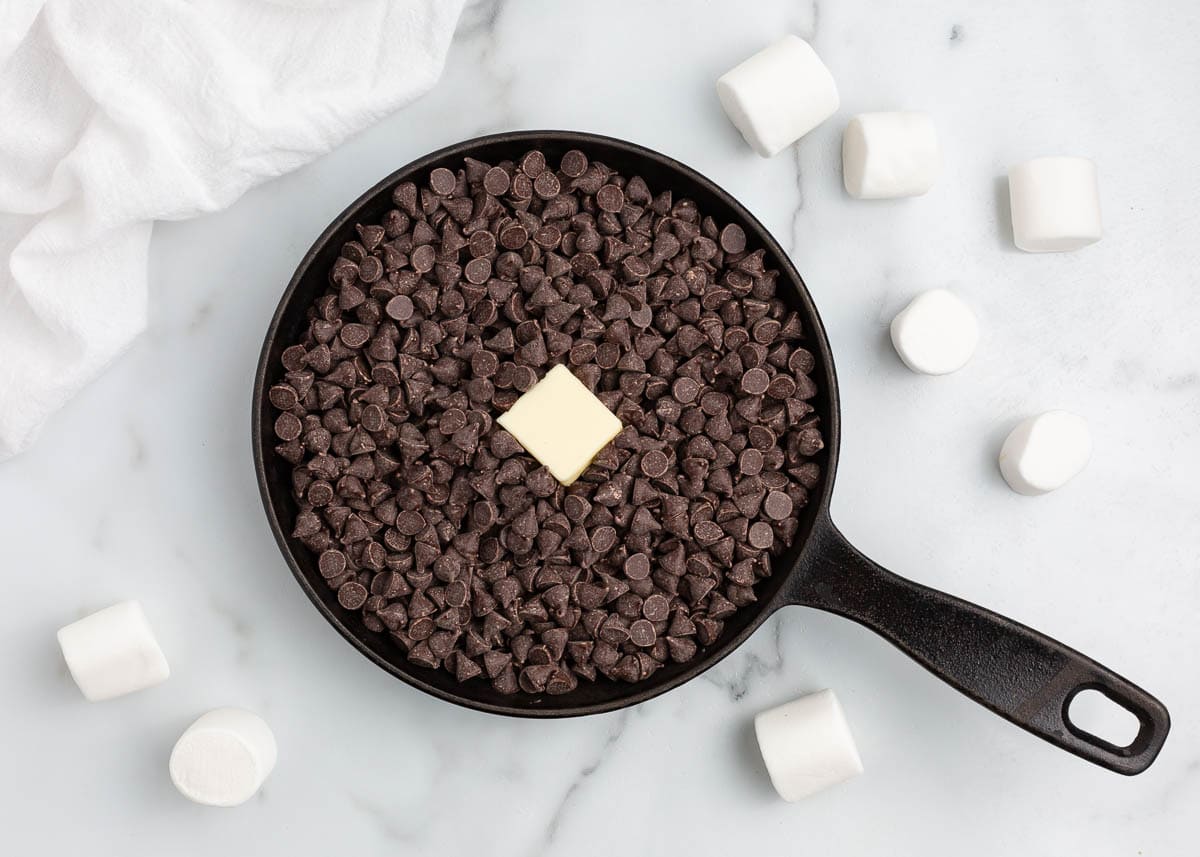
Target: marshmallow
(936,333)
(890,155)
(113,652)
(223,758)
(1055,204)
(778,95)
(807,745)
(1045,452)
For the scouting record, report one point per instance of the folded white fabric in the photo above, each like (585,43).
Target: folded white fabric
(119,114)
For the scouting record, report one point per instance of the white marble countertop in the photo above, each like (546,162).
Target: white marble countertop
(143,486)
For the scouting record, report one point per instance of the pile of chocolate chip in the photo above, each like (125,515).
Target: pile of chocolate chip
(433,522)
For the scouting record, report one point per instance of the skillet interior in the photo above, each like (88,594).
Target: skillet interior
(310,280)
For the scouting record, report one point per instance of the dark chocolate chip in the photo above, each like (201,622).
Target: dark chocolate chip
(496,181)
(574,163)
(610,198)
(637,567)
(400,308)
(761,536)
(352,595)
(777,506)
(733,239)
(441,181)
(655,463)
(755,381)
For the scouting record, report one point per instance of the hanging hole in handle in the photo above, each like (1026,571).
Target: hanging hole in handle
(1096,715)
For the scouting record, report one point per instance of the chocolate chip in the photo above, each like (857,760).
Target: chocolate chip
(400,308)
(513,237)
(656,607)
(760,535)
(610,198)
(478,270)
(641,633)
(733,239)
(546,185)
(685,390)
(423,258)
(574,163)
(496,181)
(533,163)
(352,595)
(332,563)
(410,523)
(750,462)
(714,404)
(809,441)
(604,539)
(441,181)
(283,397)
(637,567)
(765,330)
(755,381)
(707,532)
(781,387)
(655,463)
(288,426)
(522,187)
(777,506)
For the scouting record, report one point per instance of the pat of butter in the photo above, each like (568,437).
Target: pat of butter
(561,424)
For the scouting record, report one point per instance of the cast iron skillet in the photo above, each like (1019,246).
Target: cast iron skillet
(1018,673)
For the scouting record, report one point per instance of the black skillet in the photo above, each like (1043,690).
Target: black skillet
(1018,673)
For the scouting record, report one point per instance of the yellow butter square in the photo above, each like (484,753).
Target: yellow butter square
(561,424)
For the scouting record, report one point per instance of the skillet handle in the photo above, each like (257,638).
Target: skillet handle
(1020,674)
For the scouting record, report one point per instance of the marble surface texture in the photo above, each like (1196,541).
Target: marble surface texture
(143,486)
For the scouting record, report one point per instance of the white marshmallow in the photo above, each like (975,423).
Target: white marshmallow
(936,333)
(113,652)
(890,155)
(1055,204)
(1045,452)
(807,745)
(223,758)
(778,95)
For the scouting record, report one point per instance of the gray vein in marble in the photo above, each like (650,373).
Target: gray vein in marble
(481,20)
(138,454)
(560,811)
(798,211)
(809,33)
(957,34)
(200,318)
(100,533)
(382,817)
(737,682)
(243,631)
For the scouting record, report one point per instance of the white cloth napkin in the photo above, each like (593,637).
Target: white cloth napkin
(116,114)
